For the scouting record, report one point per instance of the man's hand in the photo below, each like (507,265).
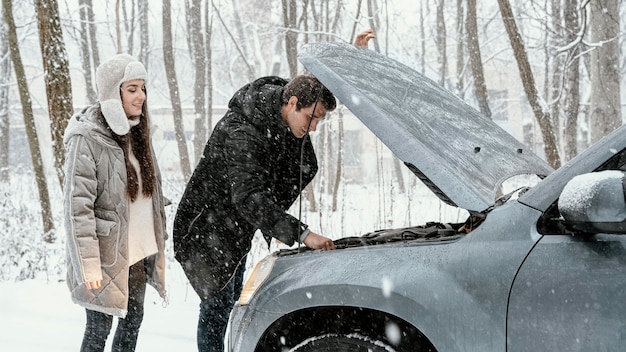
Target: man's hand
(315,241)
(364,37)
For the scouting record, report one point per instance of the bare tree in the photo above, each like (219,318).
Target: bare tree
(554,64)
(372,12)
(93,40)
(118,27)
(57,77)
(208,36)
(340,155)
(29,122)
(197,56)
(356,20)
(86,23)
(440,40)
(476,62)
(528,81)
(571,82)
(291,35)
(144,33)
(172,81)
(250,72)
(340,137)
(334,27)
(5,77)
(372,15)
(460,49)
(238,23)
(605,75)
(318,21)
(422,39)
(129,24)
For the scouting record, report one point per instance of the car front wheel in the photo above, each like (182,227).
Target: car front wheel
(341,343)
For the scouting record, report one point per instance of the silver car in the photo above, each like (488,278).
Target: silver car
(543,269)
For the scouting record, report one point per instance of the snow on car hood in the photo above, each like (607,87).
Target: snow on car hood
(460,154)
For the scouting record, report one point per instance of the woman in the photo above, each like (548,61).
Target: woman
(114,215)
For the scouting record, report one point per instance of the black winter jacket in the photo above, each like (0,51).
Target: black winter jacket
(246,180)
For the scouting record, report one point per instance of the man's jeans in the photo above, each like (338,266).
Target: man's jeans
(214,313)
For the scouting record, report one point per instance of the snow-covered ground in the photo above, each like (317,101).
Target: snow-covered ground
(37,315)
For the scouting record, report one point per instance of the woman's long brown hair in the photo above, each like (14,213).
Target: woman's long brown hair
(142,149)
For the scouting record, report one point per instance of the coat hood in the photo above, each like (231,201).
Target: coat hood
(264,95)
(437,135)
(86,123)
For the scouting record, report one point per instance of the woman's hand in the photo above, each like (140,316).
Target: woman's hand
(92,285)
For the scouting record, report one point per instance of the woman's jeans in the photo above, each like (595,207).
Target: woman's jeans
(215,311)
(99,324)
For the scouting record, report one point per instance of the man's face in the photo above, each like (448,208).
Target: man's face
(298,120)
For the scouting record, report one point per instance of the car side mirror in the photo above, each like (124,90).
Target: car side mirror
(595,202)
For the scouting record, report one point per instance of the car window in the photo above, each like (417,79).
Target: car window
(618,162)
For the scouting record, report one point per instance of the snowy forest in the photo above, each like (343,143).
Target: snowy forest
(549,71)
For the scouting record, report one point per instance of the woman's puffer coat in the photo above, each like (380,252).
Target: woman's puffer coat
(247,178)
(96,218)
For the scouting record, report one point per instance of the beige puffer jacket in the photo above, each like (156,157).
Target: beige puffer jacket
(96,217)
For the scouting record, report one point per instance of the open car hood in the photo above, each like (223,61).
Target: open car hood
(460,154)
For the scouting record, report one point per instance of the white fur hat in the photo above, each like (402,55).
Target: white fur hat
(109,77)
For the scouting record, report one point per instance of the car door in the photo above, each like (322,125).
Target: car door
(570,295)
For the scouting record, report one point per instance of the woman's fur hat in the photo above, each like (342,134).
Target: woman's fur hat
(109,77)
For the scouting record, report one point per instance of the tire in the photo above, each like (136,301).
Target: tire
(341,343)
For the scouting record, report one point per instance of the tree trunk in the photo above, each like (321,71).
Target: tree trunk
(303,21)
(278,48)
(334,28)
(208,36)
(197,56)
(571,84)
(144,33)
(422,40)
(172,81)
(356,21)
(554,66)
(85,55)
(605,74)
(5,78)
(476,61)
(129,25)
(460,50)
(251,70)
(291,36)
(440,40)
(340,154)
(238,23)
(92,33)
(372,14)
(29,122)
(57,77)
(528,81)
(118,29)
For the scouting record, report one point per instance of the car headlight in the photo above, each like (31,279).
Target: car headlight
(261,271)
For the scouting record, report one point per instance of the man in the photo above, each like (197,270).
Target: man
(249,175)
(252,169)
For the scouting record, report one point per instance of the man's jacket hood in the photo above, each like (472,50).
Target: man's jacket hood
(259,101)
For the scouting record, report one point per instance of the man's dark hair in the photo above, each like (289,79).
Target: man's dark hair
(307,89)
